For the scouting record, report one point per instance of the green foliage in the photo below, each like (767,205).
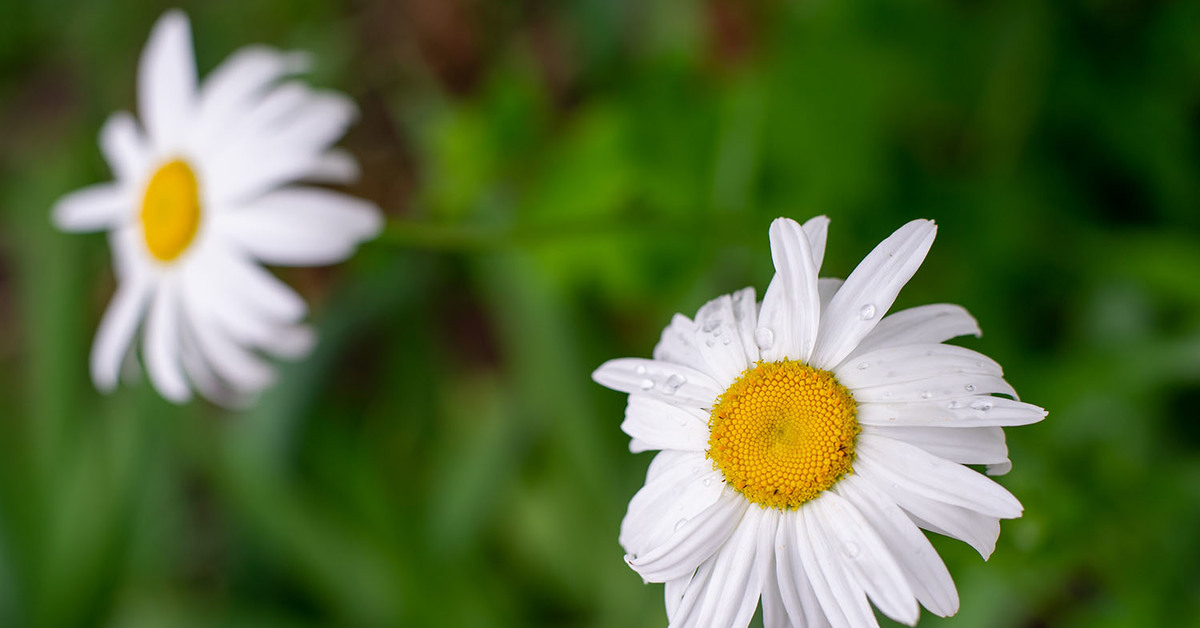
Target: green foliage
(560,178)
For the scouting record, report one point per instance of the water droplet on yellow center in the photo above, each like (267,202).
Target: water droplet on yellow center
(782,433)
(171,210)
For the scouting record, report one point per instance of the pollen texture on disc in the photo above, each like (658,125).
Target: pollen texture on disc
(782,433)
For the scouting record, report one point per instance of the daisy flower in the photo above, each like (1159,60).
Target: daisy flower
(205,190)
(805,441)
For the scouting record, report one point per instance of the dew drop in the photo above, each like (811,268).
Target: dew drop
(982,406)
(647,384)
(926,394)
(955,404)
(640,370)
(867,312)
(710,342)
(862,366)
(970,387)
(711,324)
(707,482)
(717,331)
(764,338)
(674,382)
(851,550)
(726,340)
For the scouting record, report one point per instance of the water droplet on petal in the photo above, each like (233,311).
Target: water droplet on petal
(982,406)
(674,382)
(926,394)
(647,384)
(764,338)
(707,481)
(862,366)
(970,387)
(726,340)
(851,550)
(641,369)
(954,404)
(867,312)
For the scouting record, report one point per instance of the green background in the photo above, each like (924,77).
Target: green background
(559,178)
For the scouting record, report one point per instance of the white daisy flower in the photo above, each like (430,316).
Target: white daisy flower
(204,192)
(806,439)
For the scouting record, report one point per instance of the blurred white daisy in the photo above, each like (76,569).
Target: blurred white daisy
(807,439)
(204,192)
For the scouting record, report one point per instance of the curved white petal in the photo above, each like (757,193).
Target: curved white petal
(923,568)
(978,530)
(167,82)
(913,362)
(336,166)
(162,345)
(718,340)
(678,343)
(938,322)
(868,563)
(302,226)
(659,425)
(116,332)
(672,383)
(682,487)
(745,315)
(870,290)
(92,208)
(967,411)
(730,594)
(888,462)
(965,445)
(795,588)
(826,288)
(236,83)
(817,231)
(790,311)
(256,286)
(693,542)
(844,605)
(235,364)
(933,388)
(125,148)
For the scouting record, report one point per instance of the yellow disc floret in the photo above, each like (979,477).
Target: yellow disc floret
(171,210)
(782,433)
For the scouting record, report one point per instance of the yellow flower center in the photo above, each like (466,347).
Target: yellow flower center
(171,210)
(782,433)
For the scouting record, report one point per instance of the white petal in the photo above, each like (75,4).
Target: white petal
(914,362)
(658,425)
(679,486)
(201,375)
(672,383)
(116,332)
(790,311)
(287,150)
(971,445)
(678,345)
(244,371)
(335,166)
(167,81)
(870,290)
(933,388)
(718,340)
(844,605)
(745,313)
(887,462)
(775,614)
(924,569)
(817,229)
(94,208)
(826,288)
(303,226)
(162,345)
(231,88)
(693,542)
(868,563)
(255,285)
(978,530)
(673,592)
(730,596)
(124,148)
(968,411)
(795,588)
(938,322)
